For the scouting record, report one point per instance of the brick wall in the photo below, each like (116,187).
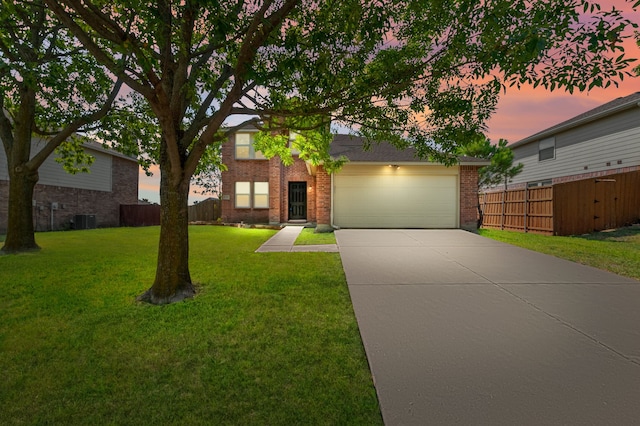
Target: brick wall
(571,178)
(298,172)
(242,171)
(271,171)
(72,201)
(323,197)
(591,175)
(469,197)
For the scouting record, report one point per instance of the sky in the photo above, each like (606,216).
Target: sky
(520,112)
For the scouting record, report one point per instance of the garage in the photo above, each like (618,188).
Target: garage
(396,196)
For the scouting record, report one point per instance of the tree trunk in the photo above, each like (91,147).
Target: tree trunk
(173,280)
(20,233)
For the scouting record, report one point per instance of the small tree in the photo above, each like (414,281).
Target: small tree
(51,88)
(501,169)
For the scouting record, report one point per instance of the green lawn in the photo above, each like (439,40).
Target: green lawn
(615,251)
(308,236)
(271,338)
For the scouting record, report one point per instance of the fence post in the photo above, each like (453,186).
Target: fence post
(504,196)
(526,206)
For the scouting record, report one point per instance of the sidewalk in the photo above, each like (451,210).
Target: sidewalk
(284,241)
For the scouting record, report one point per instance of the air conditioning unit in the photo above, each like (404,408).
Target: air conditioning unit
(84,221)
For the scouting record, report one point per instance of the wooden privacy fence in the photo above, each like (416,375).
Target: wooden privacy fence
(596,204)
(569,208)
(205,211)
(139,215)
(524,210)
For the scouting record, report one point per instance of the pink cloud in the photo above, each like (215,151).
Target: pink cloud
(524,112)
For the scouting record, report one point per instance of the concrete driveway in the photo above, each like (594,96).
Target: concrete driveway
(460,329)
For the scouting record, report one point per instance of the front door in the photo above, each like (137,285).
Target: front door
(297,200)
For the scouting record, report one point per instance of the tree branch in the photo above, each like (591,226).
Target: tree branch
(100,55)
(259,30)
(72,127)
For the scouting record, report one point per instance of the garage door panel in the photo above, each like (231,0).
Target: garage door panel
(394,199)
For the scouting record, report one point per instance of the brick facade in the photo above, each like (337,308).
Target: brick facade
(245,171)
(469,197)
(323,197)
(318,184)
(278,176)
(571,178)
(72,201)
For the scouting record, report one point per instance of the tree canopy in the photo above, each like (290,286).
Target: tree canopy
(501,168)
(50,88)
(425,72)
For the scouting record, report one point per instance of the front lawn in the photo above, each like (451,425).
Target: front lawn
(271,338)
(308,236)
(615,251)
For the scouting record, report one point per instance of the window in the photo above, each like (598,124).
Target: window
(539,183)
(243,195)
(244,147)
(261,195)
(547,149)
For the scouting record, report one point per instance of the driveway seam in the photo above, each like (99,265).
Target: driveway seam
(570,326)
(539,309)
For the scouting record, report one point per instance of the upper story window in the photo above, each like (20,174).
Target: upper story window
(547,149)
(244,148)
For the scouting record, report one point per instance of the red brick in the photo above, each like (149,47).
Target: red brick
(72,201)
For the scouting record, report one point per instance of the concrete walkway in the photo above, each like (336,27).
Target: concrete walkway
(460,329)
(284,241)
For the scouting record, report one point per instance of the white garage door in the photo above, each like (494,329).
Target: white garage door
(395,197)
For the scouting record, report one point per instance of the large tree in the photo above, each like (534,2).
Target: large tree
(424,71)
(49,87)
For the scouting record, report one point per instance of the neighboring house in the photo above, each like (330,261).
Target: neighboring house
(602,141)
(63,201)
(379,188)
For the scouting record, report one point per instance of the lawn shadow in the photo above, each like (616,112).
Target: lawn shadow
(620,235)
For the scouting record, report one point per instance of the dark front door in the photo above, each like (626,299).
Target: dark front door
(297,200)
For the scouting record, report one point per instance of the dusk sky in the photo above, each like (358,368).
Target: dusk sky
(520,113)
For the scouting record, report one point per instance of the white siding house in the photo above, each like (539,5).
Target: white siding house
(59,197)
(602,141)
(52,173)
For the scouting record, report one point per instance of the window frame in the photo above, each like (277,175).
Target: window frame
(539,183)
(252,153)
(243,194)
(257,194)
(546,146)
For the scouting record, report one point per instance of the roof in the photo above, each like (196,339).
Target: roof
(383,152)
(610,108)
(96,146)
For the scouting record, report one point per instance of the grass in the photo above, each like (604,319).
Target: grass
(262,343)
(308,236)
(615,251)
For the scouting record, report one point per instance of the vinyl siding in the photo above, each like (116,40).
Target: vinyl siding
(52,173)
(625,120)
(571,159)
